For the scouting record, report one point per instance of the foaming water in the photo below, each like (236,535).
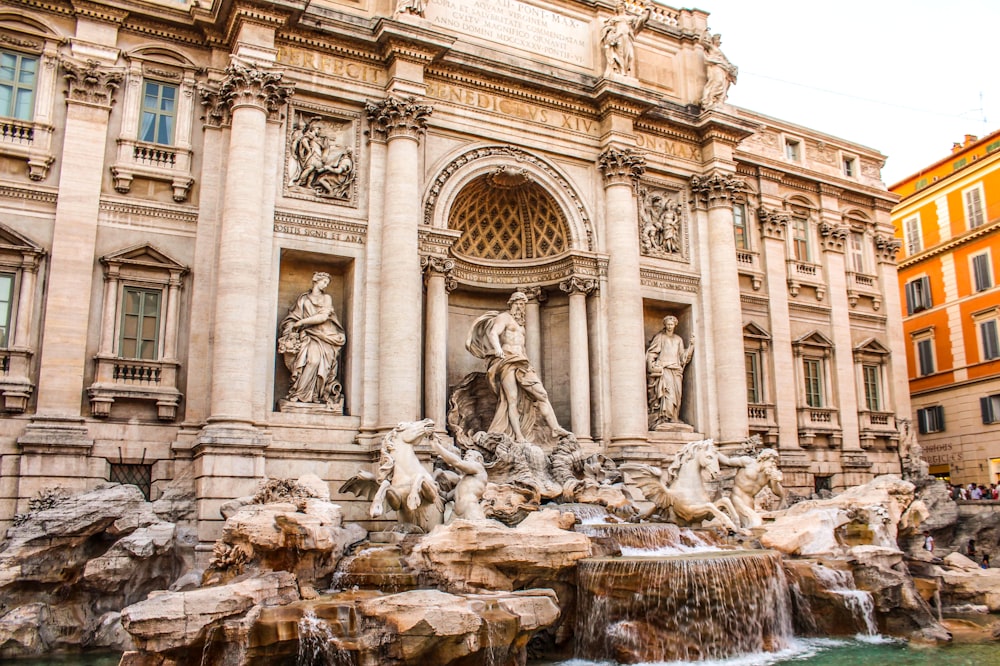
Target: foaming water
(668,551)
(859,602)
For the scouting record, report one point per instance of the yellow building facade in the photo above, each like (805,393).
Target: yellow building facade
(948,220)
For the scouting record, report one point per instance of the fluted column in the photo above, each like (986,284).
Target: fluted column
(773,228)
(579,354)
(400,122)
(714,195)
(250,93)
(626,355)
(439,283)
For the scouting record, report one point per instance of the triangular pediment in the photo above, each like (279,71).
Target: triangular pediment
(814,339)
(872,346)
(13,240)
(144,255)
(752,330)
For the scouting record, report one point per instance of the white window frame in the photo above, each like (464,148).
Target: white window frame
(984,321)
(930,419)
(154,161)
(856,248)
(806,238)
(913,234)
(22,258)
(32,140)
(975,212)
(987,262)
(794,149)
(918,299)
(849,165)
(924,337)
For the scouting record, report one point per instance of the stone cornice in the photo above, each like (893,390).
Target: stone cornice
(99,11)
(614,96)
(407,41)
(504,87)
(831,190)
(261,14)
(715,190)
(511,275)
(90,83)
(394,117)
(972,234)
(660,279)
(621,165)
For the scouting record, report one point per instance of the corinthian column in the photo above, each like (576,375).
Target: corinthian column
(627,382)
(439,282)
(250,94)
(713,195)
(579,354)
(400,123)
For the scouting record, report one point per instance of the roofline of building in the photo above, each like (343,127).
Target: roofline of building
(947,158)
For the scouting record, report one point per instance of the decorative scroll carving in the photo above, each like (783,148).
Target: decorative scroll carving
(394,117)
(217,111)
(621,165)
(91,83)
(253,86)
(886,248)
(321,157)
(773,223)
(433,266)
(715,190)
(534,293)
(660,224)
(578,285)
(834,236)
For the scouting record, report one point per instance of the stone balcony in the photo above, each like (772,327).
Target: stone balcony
(28,141)
(134,379)
(15,384)
(155,162)
(876,426)
(819,421)
(802,273)
(860,285)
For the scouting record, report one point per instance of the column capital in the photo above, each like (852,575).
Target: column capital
(773,223)
(834,236)
(886,247)
(252,86)
(578,285)
(716,190)
(90,83)
(535,294)
(394,117)
(433,266)
(217,111)
(621,165)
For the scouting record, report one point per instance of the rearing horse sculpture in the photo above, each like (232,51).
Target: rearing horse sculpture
(680,489)
(403,484)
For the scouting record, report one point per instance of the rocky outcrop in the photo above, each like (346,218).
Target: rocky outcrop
(467,556)
(70,565)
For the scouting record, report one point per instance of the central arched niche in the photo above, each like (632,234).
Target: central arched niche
(505,215)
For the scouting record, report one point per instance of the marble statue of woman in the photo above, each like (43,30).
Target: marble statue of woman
(310,342)
(666,358)
(720,72)
(618,38)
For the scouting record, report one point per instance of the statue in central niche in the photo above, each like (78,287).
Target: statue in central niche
(666,358)
(522,403)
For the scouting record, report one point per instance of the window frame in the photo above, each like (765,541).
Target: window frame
(158,114)
(856,249)
(136,354)
(974,218)
(989,407)
(913,234)
(988,344)
(849,166)
(800,244)
(924,341)
(741,227)
(981,270)
(793,149)
(930,419)
(17,87)
(815,395)
(918,295)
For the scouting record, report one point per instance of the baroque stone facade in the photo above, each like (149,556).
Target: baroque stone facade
(188,189)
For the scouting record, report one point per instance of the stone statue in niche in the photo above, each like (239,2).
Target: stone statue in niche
(618,38)
(659,224)
(322,162)
(523,405)
(411,8)
(666,358)
(310,341)
(754,473)
(720,72)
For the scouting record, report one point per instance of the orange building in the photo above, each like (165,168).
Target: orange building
(948,219)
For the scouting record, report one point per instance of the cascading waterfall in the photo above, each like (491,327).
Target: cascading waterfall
(709,606)
(858,602)
(318,644)
(649,538)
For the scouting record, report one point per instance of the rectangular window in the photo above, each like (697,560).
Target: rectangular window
(930,419)
(990,406)
(136,475)
(873,387)
(792,150)
(975,214)
(914,240)
(850,167)
(925,356)
(857,251)
(918,295)
(981,277)
(740,227)
(988,337)
(755,388)
(813,371)
(159,104)
(18,76)
(140,326)
(6,307)
(800,239)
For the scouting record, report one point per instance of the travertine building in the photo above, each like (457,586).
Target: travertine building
(178,176)
(949,222)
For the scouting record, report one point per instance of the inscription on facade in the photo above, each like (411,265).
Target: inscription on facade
(516,24)
(941,453)
(659,144)
(328,64)
(324,234)
(509,107)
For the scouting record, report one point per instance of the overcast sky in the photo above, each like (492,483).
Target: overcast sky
(903,77)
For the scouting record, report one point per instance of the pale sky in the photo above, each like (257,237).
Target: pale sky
(903,77)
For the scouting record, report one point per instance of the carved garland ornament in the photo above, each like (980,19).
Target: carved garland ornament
(394,117)
(621,166)
(715,190)
(90,83)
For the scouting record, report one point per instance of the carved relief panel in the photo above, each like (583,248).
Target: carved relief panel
(663,223)
(321,156)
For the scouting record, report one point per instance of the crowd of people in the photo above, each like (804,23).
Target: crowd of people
(974,492)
